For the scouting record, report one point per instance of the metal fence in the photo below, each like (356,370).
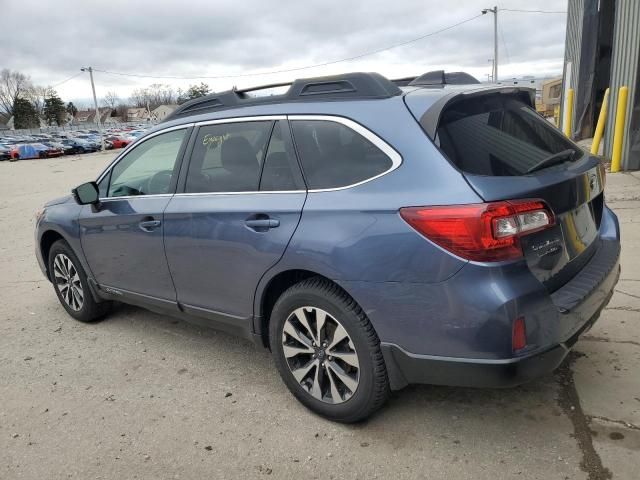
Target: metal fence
(67,128)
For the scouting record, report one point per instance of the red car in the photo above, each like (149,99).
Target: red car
(118,142)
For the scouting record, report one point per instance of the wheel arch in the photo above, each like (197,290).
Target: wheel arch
(273,288)
(48,238)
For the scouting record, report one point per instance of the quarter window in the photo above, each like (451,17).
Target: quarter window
(333,155)
(227,157)
(149,168)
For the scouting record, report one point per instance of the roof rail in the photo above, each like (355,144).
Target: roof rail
(439,77)
(348,86)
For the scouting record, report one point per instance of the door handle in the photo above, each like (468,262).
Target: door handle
(261,224)
(149,225)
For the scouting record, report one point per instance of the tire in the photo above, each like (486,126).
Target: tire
(324,392)
(85,309)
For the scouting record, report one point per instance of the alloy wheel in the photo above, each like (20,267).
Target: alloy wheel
(68,282)
(321,355)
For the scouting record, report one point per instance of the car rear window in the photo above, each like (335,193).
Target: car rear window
(498,135)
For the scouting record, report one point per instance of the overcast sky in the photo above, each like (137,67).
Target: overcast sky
(219,37)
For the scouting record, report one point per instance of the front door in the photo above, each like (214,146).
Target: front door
(242,201)
(122,237)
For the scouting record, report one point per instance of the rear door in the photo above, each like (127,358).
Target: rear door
(240,204)
(506,151)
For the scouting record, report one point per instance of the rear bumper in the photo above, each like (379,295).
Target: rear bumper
(406,368)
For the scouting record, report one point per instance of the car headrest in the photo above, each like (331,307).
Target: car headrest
(237,156)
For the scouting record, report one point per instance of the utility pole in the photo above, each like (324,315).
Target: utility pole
(494,10)
(493,63)
(95,103)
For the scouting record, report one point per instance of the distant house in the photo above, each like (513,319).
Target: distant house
(160,113)
(82,116)
(137,115)
(89,116)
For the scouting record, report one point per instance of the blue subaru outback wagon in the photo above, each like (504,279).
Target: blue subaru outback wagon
(370,235)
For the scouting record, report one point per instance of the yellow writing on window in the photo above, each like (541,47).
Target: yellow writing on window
(214,141)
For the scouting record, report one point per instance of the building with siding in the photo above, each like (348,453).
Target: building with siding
(603,51)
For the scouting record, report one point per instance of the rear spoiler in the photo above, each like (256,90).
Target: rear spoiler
(431,117)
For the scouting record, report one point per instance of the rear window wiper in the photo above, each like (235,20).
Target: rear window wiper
(554,159)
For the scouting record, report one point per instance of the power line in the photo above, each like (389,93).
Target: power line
(65,81)
(324,64)
(530,11)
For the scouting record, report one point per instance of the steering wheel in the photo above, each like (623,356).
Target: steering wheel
(159,182)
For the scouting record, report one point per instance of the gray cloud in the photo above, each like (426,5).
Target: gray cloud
(209,38)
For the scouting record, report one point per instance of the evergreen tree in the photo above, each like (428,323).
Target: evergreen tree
(54,110)
(194,91)
(71,109)
(25,114)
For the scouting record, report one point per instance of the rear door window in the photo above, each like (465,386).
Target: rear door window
(498,135)
(227,157)
(334,155)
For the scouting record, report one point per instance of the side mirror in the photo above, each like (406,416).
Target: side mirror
(86,194)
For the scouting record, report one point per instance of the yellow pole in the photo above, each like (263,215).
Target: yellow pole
(602,118)
(618,133)
(568,116)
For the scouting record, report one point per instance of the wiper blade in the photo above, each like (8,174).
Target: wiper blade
(554,159)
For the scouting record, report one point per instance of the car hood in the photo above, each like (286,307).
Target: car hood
(58,201)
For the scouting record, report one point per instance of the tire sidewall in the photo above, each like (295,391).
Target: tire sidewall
(61,247)
(311,297)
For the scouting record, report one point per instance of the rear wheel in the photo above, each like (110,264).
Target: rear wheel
(327,351)
(71,285)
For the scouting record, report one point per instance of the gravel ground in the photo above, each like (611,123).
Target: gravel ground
(141,395)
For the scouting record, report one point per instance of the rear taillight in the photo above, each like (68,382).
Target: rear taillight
(518,335)
(483,232)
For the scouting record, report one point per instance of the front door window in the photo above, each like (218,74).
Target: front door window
(149,168)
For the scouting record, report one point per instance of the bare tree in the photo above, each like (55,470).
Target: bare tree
(153,96)
(121,111)
(13,85)
(139,97)
(37,96)
(111,100)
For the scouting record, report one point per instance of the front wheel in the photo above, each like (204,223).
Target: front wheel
(71,285)
(327,352)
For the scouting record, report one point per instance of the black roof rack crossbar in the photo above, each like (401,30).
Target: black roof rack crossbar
(348,86)
(404,81)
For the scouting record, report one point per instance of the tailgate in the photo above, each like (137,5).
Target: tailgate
(576,197)
(506,151)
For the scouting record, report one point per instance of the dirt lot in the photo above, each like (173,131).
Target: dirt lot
(144,396)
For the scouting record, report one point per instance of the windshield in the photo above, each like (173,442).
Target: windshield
(499,135)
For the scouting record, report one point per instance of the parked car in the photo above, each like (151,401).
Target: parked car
(79,145)
(133,135)
(65,149)
(370,236)
(25,151)
(118,142)
(91,140)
